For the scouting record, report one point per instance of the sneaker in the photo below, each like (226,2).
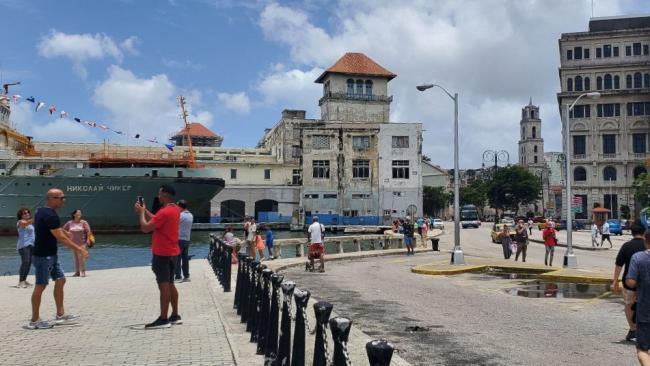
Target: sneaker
(158,323)
(175,319)
(186,279)
(40,324)
(28,284)
(631,336)
(65,319)
(22,284)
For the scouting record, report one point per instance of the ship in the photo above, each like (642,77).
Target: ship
(104,186)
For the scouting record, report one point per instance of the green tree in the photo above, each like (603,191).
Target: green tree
(512,187)
(474,194)
(435,200)
(642,190)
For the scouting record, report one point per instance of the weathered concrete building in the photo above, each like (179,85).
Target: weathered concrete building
(608,136)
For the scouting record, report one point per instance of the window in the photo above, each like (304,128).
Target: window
(577,53)
(586,53)
(609,173)
(579,145)
(569,54)
(360,168)
(360,195)
(386,212)
(628,81)
(609,144)
(326,88)
(233,173)
(330,195)
(638,143)
(534,132)
(607,50)
(638,109)
(321,169)
(296,177)
(400,142)
(310,195)
(646,49)
(350,84)
(638,171)
(636,49)
(359,87)
(398,194)
(535,148)
(579,174)
(535,159)
(400,169)
(532,114)
(368,87)
(320,142)
(599,83)
(267,174)
(616,51)
(646,80)
(599,53)
(617,82)
(587,84)
(31,166)
(628,50)
(609,110)
(569,84)
(351,213)
(296,151)
(361,142)
(580,111)
(637,80)
(608,81)
(578,83)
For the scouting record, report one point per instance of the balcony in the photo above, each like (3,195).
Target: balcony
(361,97)
(639,155)
(579,156)
(609,156)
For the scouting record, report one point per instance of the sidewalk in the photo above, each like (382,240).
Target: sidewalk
(110,302)
(582,240)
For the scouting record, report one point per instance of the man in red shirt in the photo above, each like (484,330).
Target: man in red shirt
(164,246)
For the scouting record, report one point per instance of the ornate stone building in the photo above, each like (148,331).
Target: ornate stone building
(531,150)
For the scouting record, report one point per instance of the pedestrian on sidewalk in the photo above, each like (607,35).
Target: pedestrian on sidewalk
(623,262)
(48,231)
(638,277)
(269,242)
(409,233)
(550,240)
(594,235)
(80,233)
(316,235)
(604,230)
(24,244)
(250,237)
(506,241)
(165,226)
(530,226)
(521,237)
(259,245)
(184,235)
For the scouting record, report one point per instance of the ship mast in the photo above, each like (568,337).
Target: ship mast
(191,161)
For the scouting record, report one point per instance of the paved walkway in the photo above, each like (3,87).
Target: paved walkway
(582,240)
(110,302)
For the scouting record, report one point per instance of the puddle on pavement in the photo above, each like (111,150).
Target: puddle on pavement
(501,273)
(560,290)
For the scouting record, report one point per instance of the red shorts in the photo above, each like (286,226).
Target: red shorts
(316,250)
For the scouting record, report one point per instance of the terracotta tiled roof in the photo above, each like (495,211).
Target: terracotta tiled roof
(198,130)
(356,64)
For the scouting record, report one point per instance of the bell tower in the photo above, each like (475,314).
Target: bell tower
(531,144)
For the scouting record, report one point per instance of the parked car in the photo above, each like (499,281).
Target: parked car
(508,221)
(615,226)
(438,224)
(496,229)
(576,225)
(538,219)
(542,225)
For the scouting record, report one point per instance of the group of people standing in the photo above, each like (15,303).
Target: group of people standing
(409,228)
(521,240)
(255,242)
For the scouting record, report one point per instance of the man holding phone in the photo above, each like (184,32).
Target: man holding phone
(164,246)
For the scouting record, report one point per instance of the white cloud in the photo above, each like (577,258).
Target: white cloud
(129,45)
(495,54)
(184,64)
(145,105)
(237,102)
(80,48)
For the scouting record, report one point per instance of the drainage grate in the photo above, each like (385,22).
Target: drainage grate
(417,328)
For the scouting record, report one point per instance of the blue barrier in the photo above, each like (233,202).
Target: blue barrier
(272,216)
(215,219)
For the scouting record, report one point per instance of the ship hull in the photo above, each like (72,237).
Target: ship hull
(106,201)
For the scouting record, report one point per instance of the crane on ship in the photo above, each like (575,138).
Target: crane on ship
(23,144)
(191,160)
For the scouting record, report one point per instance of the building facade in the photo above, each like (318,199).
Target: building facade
(608,136)
(531,151)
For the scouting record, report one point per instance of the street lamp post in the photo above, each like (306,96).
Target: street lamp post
(496,156)
(570,259)
(457,256)
(540,174)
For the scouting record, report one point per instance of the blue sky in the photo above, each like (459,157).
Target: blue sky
(122,63)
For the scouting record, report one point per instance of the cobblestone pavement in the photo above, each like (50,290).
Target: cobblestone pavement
(471,319)
(113,304)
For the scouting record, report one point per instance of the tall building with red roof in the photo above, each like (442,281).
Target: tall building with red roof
(200,135)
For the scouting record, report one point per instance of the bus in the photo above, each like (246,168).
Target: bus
(469,217)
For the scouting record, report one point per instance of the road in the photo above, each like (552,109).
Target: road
(469,319)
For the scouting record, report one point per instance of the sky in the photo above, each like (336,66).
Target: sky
(123,63)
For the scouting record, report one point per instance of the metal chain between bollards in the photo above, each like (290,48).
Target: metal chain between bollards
(344,346)
(307,325)
(326,346)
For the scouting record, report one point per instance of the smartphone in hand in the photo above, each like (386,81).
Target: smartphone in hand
(141,201)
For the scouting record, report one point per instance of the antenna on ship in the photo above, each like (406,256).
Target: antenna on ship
(191,160)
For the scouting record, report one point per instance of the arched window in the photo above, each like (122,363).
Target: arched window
(350,87)
(534,132)
(628,81)
(523,133)
(368,87)
(359,87)
(646,80)
(535,148)
(569,84)
(609,173)
(638,171)
(637,80)
(617,82)
(599,83)
(587,84)
(608,81)
(579,174)
(535,159)
(532,114)
(578,83)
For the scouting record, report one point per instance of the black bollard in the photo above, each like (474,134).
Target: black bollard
(284,347)
(298,353)
(245,284)
(263,318)
(257,302)
(238,289)
(227,262)
(271,351)
(211,249)
(379,352)
(340,328)
(252,293)
(322,310)
(217,260)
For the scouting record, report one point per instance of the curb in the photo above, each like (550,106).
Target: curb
(579,247)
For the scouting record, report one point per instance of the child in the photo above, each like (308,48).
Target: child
(269,242)
(259,244)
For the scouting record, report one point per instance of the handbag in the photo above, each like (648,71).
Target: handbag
(513,247)
(91,240)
